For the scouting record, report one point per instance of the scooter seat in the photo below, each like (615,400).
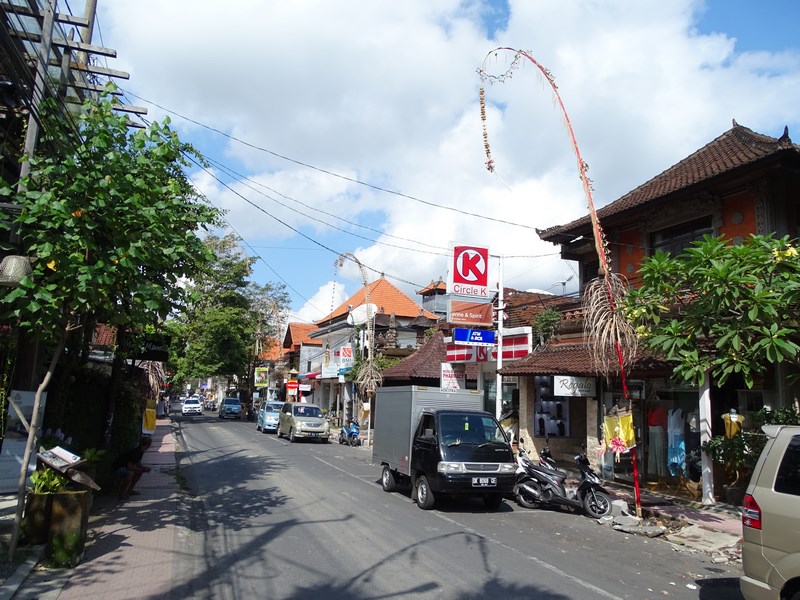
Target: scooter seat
(550,472)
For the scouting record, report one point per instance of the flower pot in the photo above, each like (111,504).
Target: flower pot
(60,520)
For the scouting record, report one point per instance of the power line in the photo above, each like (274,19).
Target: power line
(331,173)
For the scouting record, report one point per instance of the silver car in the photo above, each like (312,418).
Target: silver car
(268,416)
(301,420)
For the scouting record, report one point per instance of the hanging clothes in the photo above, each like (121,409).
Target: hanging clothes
(657,441)
(619,433)
(733,423)
(676,445)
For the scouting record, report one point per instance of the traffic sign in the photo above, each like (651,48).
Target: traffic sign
(292,385)
(473,337)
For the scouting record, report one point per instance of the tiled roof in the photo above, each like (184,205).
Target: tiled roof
(433,286)
(522,307)
(736,148)
(104,335)
(297,333)
(425,363)
(273,350)
(574,359)
(386,297)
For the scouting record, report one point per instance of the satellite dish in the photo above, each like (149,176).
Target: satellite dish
(360,314)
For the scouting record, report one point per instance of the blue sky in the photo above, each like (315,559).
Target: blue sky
(354,127)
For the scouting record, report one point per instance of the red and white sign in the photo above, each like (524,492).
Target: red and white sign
(514,347)
(292,385)
(470,273)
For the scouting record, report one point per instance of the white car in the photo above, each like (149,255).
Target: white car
(192,406)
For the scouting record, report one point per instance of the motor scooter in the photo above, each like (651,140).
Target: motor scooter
(349,434)
(544,484)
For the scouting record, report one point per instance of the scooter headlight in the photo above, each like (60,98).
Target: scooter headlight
(450,467)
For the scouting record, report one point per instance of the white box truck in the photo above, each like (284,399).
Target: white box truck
(442,443)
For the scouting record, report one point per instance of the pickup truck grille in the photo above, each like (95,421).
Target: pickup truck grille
(482,467)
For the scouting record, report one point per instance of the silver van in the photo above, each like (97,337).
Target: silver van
(771,519)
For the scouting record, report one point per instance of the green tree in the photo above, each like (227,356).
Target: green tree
(720,309)
(109,219)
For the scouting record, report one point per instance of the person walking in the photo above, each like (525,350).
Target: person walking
(129,467)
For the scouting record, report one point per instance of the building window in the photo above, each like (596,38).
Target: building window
(676,239)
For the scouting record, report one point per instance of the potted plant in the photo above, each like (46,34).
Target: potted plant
(57,516)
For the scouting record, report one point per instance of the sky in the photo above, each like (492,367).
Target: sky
(353,128)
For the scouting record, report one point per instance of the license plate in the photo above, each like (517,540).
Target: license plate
(312,434)
(484,481)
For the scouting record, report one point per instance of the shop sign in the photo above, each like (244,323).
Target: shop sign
(564,385)
(470,312)
(473,337)
(453,378)
(470,273)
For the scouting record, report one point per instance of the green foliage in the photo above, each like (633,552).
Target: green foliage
(47,481)
(544,324)
(109,218)
(741,452)
(720,308)
(93,455)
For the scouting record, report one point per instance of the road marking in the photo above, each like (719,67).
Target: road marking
(546,565)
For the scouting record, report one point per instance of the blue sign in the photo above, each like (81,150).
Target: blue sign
(474,337)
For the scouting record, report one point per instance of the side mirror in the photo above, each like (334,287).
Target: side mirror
(521,440)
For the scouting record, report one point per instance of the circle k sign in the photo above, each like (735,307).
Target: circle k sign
(470,271)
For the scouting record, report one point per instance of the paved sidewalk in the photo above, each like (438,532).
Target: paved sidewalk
(130,548)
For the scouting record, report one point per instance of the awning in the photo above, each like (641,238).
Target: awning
(313,375)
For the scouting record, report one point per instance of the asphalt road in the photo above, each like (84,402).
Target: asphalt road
(270,519)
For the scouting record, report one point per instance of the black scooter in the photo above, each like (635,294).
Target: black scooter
(544,484)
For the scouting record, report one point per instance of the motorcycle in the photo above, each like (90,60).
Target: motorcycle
(251,413)
(543,483)
(349,434)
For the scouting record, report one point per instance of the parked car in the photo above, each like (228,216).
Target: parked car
(191,406)
(771,519)
(302,420)
(230,407)
(268,416)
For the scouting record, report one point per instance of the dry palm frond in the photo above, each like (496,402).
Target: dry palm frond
(369,379)
(612,339)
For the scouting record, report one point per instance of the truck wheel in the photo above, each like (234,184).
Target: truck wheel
(493,501)
(425,497)
(388,480)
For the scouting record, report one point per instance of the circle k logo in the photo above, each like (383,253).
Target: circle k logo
(470,265)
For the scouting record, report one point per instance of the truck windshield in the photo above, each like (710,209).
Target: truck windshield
(470,429)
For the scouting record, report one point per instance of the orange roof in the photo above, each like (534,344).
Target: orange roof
(386,297)
(433,287)
(297,333)
(272,350)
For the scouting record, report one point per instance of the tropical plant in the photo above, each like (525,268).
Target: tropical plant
(740,452)
(544,324)
(93,455)
(720,309)
(47,481)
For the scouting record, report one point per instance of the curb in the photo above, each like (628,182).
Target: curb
(11,585)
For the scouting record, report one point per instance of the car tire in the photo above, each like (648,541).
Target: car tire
(493,501)
(388,480)
(291,435)
(258,427)
(278,433)
(425,498)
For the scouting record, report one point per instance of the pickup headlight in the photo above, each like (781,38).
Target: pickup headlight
(450,467)
(507,468)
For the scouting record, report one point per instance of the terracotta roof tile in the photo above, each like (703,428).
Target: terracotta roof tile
(736,148)
(425,363)
(386,297)
(575,359)
(433,286)
(297,333)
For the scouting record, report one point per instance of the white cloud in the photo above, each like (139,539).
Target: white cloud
(387,93)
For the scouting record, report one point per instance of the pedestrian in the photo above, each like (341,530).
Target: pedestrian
(129,468)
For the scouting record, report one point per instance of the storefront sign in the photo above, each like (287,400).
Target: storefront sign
(515,346)
(574,386)
(464,312)
(473,337)
(470,273)
(453,378)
